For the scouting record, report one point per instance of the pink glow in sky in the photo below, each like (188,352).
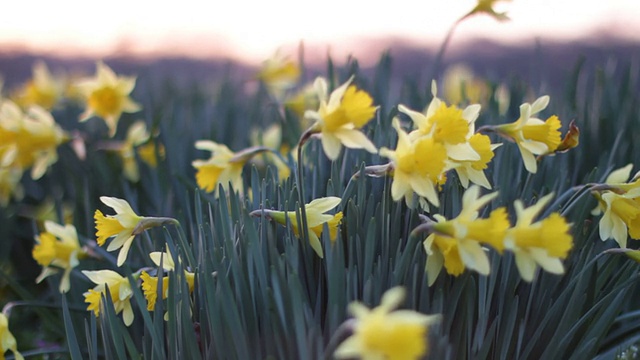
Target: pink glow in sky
(252,30)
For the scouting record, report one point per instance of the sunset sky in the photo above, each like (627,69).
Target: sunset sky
(252,30)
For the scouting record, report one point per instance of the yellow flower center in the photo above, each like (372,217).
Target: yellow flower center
(355,108)
(50,249)
(448,125)
(106,227)
(105,101)
(546,133)
(93,298)
(449,249)
(333,227)
(629,211)
(426,160)
(392,339)
(490,231)
(551,234)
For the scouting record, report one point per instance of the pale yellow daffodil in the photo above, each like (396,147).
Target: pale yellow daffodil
(7,340)
(119,288)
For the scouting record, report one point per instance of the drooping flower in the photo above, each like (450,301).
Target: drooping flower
(486,7)
(619,199)
(417,166)
(107,96)
(456,244)
(42,90)
(279,74)
(150,283)
(58,248)
(316,218)
(382,333)
(543,243)
(340,117)
(532,135)
(7,340)
(119,288)
(447,125)
(223,167)
(271,138)
(123,226)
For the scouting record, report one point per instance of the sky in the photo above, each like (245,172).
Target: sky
(252,30)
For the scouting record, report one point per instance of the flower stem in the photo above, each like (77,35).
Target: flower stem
(443,47)
(304,231)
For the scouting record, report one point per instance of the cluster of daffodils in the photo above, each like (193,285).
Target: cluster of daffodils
(619,204)
(458,244)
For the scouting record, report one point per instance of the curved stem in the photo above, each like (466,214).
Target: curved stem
(443,47)
(304,231)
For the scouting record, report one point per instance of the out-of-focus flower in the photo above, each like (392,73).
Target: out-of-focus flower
(279,74)
(57,248)
(223,167)
(382,333)
(10,184)
(119,288)
(456,243)
(460,85)
(447,125)
(474,170)
(303,100)
(7,340)
(619,199)
(271,138)
(486,7)
(42,90)
(417,166)
(123,226)
(28,140)
(150,283)
(532,135)
(107,96)
(544,243)
(340,117)
(316,218)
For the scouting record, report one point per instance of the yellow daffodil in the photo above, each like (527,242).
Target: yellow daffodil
(123,226)
(340,117)
(223,167)
(119,288)
(474,170)
(271,138)
(7,340)
(447,125)
(456,243)
(303,100)
(316,218)
(460,85)
(10,184)
(382,333)
(417,166)
(150,283)
(544,243)
(58,248)
(532,135)
(619,199)
(487,7)
(107,96)
(279,74)
(28,140)
(42,90)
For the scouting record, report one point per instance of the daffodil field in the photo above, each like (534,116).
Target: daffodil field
(321,215)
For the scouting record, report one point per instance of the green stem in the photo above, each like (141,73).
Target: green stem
(443,47)
(304,231)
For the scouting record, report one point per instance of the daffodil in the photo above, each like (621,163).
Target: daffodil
(316,218)
(487,7)
(58,248)
(42,90)
(460,85)
(417,166)
(543,243)
(473,171)
(123,226)
(150,283)
(340,117)
(279,74)
(447,125)
(304,99)
(119,288)
(7,340)
(224,167)
(382,333)
(107,96)
(532,135)
(456,243)
(271,138)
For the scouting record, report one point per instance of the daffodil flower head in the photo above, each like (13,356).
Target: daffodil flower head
(42,90)
(487,7)
(150,283)
(621,215)
(417,166)
(7,340)
(382,333)
(271,138)
(119,288)
(316,219)
(57,248)
(532,135)
(456,244)
(473,171)
(460,85)
(107,96)
(340,117)
(279,74)
(543,243)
